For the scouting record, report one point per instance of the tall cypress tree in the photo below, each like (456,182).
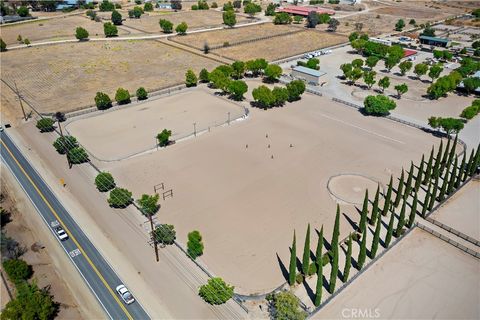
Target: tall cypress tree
(461,170)
(388,198)
(413,212)
(453,177)
(438,160)
(348,259)
(433,196)
(334,244)
(319,261)
(426,200)
(388,237)
(475,163)
(470,164)
(408,186)
(445,156)
(419,177)
(451,155)
(364,214)
(401,220)
(363,250)
(376,238)
(443,189)
(428,171)
(373,218)
(399,189)
(306,253)
(292,271)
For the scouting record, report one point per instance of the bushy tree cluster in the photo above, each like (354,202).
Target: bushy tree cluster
(104,181)
(471,111)
(216,291)
(285,305)
(166,25)
(378,105)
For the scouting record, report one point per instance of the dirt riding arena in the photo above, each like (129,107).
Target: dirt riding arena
(66,77)
(285,46)
(266,176)
(52,29)
(137,126)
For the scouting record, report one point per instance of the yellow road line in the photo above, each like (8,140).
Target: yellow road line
(69,233)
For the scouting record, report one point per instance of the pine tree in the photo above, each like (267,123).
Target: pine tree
(428,171)
(363,250)
(388,237)
(306,253)
(376,238)
(319,261)
(399,190)
(419,177)
(401,220)
(426,200)
(470,164)
(408,186)
(453,177)
(364,214)
(445,156)
(292,272)
(334,244)
(413,212)
(388,198)
(443,189)
(433,196)
(348,259)
(461,170)
(373,218)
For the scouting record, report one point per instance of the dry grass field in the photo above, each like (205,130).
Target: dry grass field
(260,188)
(218,38)
(66,77)
(194,19)
(52,29)
(282,46)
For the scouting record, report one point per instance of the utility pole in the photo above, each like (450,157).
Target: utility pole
(153,237)
(229,118)
(195,129)
(20,100)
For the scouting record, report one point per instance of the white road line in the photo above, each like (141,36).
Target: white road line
(360,128)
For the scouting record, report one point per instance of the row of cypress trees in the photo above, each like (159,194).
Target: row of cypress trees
(440,176)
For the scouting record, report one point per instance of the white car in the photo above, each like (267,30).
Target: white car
(125,294)
(61,234)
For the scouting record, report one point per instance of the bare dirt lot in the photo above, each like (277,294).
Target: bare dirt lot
(137,126)
(422,277)
(266,176)
(194,19)
(232,36)
(285,46)
(52,29)
(73,73)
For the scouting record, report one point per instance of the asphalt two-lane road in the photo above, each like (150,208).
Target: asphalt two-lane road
(97,273)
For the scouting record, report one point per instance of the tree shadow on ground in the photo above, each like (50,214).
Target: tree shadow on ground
(282,268)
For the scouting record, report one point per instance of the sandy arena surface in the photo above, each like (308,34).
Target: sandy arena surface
(73,73)
(53,29)
(136,126)
(285,46)
(422,277)
(461,212)
(249,193)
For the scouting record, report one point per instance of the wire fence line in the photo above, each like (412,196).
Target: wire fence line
(454,231)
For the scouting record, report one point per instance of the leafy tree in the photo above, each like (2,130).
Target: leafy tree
(363,249)
(312,19)
(357,63)
(65,143)
(17,270)
(238,69)
(214,5)
(203,76)
(3,45)
(251,9)
(471,84)
(292,270)
(306,252)
(165,234)
(379,105)
(135,13)
(237,88)
(228,6)
(420,70)
(141,93)
(297,19)
(194,244)
(313,63)
(400,25)
(412,22)
(45,125)
(149,204)
(91,14)
(333,24)
(148,6)
(280,95)
(119,198)
(190,79)
(334,245)
(106,6)
(273,72)
(364,214)
(102,101)
(384,83)
(229,18)
(448,125)
(401,89)
(405,66)
(263,96)
(26,42)
(81,33)
(218,79)
(470,112)
(282,18)
(323,18)
(285,305)
(122,96)
(388,237)
(256,66)
(116,18)
(428,31)
(270,10)
(353,36)
(376,237)
(354,75)
(319,262)
(295,90)
(77,155)
(359,45)
(371,61)
(391,61)
(346,69)
(399,194)
(181,28)
(110,30)
(166,25)
(163,137)
(348,259)
(104,181)
(435,71)
(369,78)
(23,11)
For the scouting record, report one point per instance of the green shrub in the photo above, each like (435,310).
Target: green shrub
(312,269)
(378,105)
(106,6)
(148,6)
(65,143)
(17,270)
(194,244)
(299,278)
(141,93)
(470,112)
(122,96)
(102,101)
(181,28)
(190,79)
(110,29)
(104,181)
(77,155)
(23,11)
(166,25)
(46,125)
(3,45)
(216,291)
(116,18)
(81,33)
(165,234)
(120,198)
(163,137)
